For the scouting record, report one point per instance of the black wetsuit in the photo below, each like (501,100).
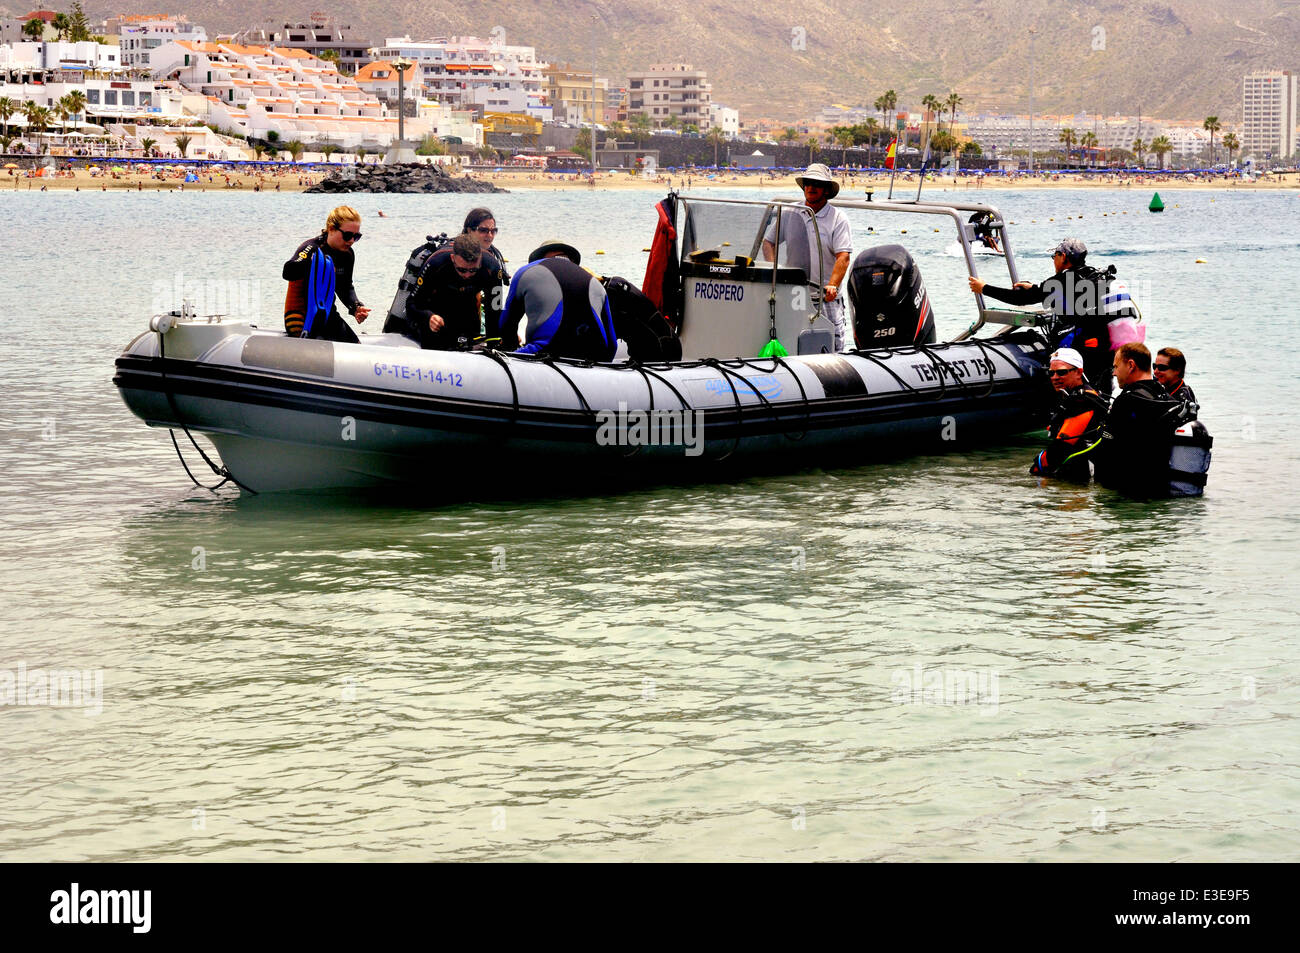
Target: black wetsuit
(445,292)
(1184,393)
(567,310)
(1074,294)
(1134,453)
(1075,433)
(296,270)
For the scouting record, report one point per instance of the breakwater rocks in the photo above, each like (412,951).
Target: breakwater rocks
(404,177)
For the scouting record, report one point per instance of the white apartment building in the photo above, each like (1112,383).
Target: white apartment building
(1268,100)
(139,36)
(726,119)
(467,71)
(314,35)
(671,89)
(57,54)
(254,90)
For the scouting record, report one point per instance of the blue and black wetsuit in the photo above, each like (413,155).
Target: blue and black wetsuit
(568,313)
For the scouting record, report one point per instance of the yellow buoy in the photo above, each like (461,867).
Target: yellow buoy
(1200,261)
(936,229)
(904,231)
(600,251)
(724,245)
(645,249)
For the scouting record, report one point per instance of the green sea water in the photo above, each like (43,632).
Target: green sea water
(939,658)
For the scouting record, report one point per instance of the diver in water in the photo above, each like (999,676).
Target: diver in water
(1076,426)
(1134,454)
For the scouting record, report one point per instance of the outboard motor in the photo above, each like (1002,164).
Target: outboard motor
(890,305)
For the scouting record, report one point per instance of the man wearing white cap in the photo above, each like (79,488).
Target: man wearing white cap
(800,234)
(1076,426)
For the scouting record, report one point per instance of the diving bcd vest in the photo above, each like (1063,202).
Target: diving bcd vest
(413,275)
(1189,459)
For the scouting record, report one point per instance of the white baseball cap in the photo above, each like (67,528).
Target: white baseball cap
(1068,355)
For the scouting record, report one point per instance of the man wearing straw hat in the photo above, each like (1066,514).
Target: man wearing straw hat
(832,227)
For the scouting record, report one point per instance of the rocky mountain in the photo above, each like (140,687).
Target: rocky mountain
(785,58)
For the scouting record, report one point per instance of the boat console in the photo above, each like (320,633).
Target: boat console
(734,302)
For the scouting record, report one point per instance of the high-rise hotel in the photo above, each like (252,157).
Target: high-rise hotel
(1268,101)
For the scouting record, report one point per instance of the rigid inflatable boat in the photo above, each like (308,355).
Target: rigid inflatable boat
(289,413)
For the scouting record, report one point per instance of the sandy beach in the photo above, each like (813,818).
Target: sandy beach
(297,180)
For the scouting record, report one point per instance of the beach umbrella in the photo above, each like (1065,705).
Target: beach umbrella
(11,165)
(93,168)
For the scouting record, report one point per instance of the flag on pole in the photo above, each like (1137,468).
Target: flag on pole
(925,161)
(892,154)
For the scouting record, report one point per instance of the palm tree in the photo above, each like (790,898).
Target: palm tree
(1161,146)
(887,103)
(76,102)
(328,150)
(183,143)
(1211,125)
(952,102)
(360,151)
(640,124)
(930,104)
(789,134)
(812,144)
(35,28)
(147,145)
(62,25)
(716,135)
(61,109)
(864,132)
(38,118)
(1140,149)
(1232,144)
(295,149)
(1088,141)
(1069,137)
(843,136)
(259,150)
(943,141)
(7,108)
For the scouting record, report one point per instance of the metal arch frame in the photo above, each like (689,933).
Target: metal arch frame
(955,211)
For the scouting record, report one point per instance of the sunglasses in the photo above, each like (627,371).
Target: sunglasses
(1053,372)
(1160,367)
(350,236)
(487,231)
(466,272)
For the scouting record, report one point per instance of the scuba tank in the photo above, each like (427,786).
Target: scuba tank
(638,322)
(1124,324)
(413,275)
(1189,459)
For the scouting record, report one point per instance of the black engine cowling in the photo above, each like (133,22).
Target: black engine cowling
(890,304)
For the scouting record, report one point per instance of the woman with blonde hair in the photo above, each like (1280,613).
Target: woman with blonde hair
(320,270)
